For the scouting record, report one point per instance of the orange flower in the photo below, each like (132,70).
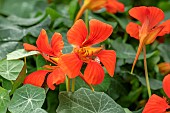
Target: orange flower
(112,6)
(157,104)
(149,29)
(55,76)
(164,68)
(47,50)
(84,53)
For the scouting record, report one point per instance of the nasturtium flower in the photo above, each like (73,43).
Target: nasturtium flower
(164,68)
(158,104)
(112,6)
(49,51)
(149,29)
(84,53)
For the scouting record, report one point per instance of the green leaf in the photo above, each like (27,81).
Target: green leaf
(92,15)
(35,30)
(126,51)
(19,80)
(154,84)
(4,100)
(6,84)
(122,21)
(10,69)
(73,8)
(40,62)
(53,13)
(117,89)
(52,100)
(20,53)
(87,101)
(101,87)
(127,110)
(11,33)
(25,21)
(21,8)
(164,52)
(26,99)
(39,110)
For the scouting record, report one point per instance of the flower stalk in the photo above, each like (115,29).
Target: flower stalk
(146,72)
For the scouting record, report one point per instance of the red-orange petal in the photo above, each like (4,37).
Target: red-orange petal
(164,68)
(154,19)
(99,32)
(57,44)
(166,85)
(153,34)
(156,104)
(113,6)
(29,47)
(70,64)
(55,77)
(151,13)
(133,30)
(78,33)
(43,44)
(94,73)
(36,78)
(108,58)
(166,29)
(138,13)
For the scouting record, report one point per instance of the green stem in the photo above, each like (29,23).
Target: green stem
(68,84)
(125,37)
(73,85)
(146,72)
(25,60)
(87,17)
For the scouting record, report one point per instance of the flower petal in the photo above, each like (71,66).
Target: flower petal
(70,64)
(113,6)
(153,34)
(139,13)
(154,19)
(43,44)
(29,47)
(166,29)
(156,104)
(94,73)
(151,13)
(133,30)
(164,68)
(78,33)
(93,5)
(57,44)
(108,58)
(99,32)
(36,78)
(166,85)
(56,77)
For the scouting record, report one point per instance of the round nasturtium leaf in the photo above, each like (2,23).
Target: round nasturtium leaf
(4,100)
(10,69)
(86,101)
(26,99)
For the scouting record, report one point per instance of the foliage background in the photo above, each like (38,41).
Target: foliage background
(22,20)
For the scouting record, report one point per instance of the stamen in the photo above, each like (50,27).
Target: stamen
(97,60)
